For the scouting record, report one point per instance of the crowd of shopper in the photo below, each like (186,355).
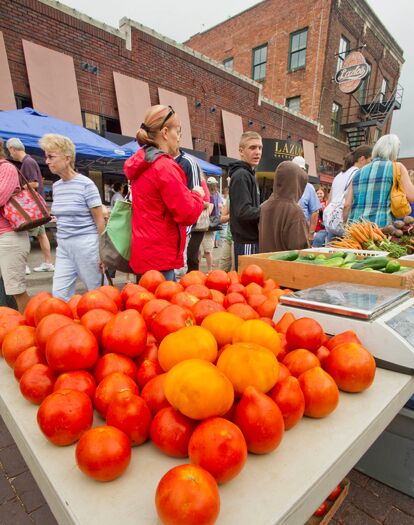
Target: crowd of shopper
(179,215)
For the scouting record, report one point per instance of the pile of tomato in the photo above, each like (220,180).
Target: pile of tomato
(198,367)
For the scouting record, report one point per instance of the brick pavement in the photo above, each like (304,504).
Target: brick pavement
(22,503)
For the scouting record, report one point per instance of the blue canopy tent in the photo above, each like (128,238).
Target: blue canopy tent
(207,167)
(30,125)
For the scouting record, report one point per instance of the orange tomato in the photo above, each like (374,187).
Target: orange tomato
(320,391)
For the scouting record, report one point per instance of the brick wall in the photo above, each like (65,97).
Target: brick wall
(150,59)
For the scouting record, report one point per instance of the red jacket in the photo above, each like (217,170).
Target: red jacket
(162,207)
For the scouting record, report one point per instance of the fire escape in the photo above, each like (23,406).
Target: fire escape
(372,115)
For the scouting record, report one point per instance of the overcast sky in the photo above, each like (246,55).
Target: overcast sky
(186,18)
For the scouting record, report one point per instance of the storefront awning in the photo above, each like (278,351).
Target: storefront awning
(133,99)
(309,156)
(233,129)
(52,82)
(7,100)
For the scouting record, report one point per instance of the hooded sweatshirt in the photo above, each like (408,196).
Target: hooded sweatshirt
(245,203)
(162,207)
(282,223)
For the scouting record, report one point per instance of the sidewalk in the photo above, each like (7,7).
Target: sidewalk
(21,502)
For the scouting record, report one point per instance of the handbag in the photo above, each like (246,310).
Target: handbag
(215,223)
(333,214)
(26,209)
(400,206)
(203,221)
(115,241)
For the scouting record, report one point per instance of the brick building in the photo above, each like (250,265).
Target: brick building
(76,68)
(294,49)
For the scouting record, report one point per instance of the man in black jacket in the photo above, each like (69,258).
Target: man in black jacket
(244,196)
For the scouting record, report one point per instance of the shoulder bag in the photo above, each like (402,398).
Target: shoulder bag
(333,214)
(26,209)
(400,207)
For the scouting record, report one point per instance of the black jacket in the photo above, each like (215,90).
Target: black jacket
(244,203)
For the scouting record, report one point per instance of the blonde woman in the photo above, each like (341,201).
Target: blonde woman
(162,205)
(77,207)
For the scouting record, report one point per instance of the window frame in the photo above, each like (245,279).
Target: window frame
(259,64)
(336,122)
(227,61)
(299,50)
(289,99)
(363,88)
(342,54)
(385,91)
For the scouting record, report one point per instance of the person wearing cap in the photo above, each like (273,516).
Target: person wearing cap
(162,204)
(309,201)
(244,196)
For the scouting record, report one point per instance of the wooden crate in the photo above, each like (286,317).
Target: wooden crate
(333,506)
(300,275)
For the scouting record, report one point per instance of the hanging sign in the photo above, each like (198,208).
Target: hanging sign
(352,73)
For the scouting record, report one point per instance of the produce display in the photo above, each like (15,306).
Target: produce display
(197,367)
(396,238)
(345,260)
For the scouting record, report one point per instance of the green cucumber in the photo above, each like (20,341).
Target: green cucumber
(392,266)
(285,256)
(336,262)
(334,255)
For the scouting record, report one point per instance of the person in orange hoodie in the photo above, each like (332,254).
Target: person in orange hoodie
(162,205)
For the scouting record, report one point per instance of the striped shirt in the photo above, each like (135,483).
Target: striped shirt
(72,201)
(371,187)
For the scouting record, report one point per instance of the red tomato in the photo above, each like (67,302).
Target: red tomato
(218,280)
(131,414)
(171,431)
(150,352)
(153,394)
(37,383)
(151,309)
(110,386)
(218,446)
(217,296)
(244,311)
(171,319)
(148,369)
(252,274)
(233,276)
(71,347)
(260,420)
(284,322)
(95,320)
(283,347)
(344,337)
(289,397)
(47,326)
(103,453)
(73,304)
(205,307)
(184,299)
(322,353)
(16,342)
(335,493)
(187,495)
(167,289)
(233,298)
(199,290)
(113,293)
(31,356)
(110,363)
(139,300)
(193,277)
(32,305)
(93,300)
(151,279)
(8,321)
(79,380)
(52,305)
(300,360)
(321,510)
(64,416)
(236,287)
(304,333)
(130,289)
(126,333)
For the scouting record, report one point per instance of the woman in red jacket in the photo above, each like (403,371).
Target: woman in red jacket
(162,205)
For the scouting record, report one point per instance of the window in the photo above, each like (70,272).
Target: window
(293,103)
(111,125)
(385,87)
(259,58)
(228,63)
(92,122)
(363,88)
(297,50)
(344,47)
(23,102)
(336,118)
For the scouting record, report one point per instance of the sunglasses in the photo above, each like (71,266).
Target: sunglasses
(168,116)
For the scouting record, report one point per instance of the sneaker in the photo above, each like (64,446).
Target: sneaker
(45,267)
(28,272)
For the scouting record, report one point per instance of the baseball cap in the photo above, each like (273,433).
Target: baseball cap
(211,180)
(300,161)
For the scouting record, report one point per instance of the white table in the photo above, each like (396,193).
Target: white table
(283,487)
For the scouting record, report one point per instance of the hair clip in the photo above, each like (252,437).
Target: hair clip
(144,127)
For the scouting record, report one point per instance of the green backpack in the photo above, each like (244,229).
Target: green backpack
(115,242)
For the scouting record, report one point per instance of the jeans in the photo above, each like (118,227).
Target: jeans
(168,274)
(320,239)
(76,256)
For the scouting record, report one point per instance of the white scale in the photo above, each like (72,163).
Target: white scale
(383,318)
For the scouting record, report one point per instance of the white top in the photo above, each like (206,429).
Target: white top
(339,183)
(283,487)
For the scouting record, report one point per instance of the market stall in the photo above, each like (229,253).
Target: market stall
(284,487)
